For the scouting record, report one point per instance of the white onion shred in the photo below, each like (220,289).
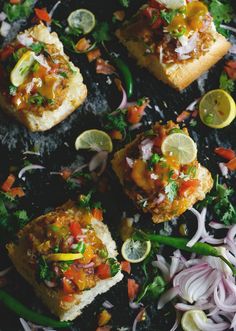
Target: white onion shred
(146,149)
(189,47)
(107,304)
(29,168)
(224,170)
(5,28)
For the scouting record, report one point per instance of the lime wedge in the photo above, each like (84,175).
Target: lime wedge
(189,317)
(22,68)
(135,251)
(82,19)
(180,146)
(217,109)
(64,256)
(95,140)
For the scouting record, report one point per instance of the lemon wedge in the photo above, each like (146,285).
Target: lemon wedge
(187,321)
(22,68)
(82,19)
(95,140)
(180,146)
(217,109)
(135,251)
(64,257)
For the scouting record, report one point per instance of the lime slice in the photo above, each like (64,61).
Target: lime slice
(64,256)
(180,146)
(95,140)
(82,19)
(189,317)
(217,109)
(22,68)
(135,251)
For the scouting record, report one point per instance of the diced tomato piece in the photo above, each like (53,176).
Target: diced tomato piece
(54,68)
(17,192)
(153,15)
(15,2)
(226,153)
(183,116)
(133,288)
(188,187)
(82,45)
(6,52)
(160,137)
(75,229)
(66,173)
(7,185)
(103,67)
(135,113)
(126,266)
(119,15)
(116,135)
(88,255)
(68,298)
(97,213)
(42,14)
(103,271)
(231,165)
(230,68)
(104,317)
(68,286)
(94,54)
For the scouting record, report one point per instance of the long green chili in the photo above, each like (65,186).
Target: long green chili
(181,243)
(28,314)
(126,75)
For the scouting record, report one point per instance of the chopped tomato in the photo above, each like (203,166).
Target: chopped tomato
(230,68)
(15,2)
(183,116)
(133,288)
(6,52)
(188,187)
(126,266)
(7,185)
(68,286)
(42,14)
(103,271)
(226,153)
(82,45)
(17,192)
(160,137)
(153,15)
(119,15)
(54,68)
(97,213)
(68,298)
(135,113)
(103,67)
(231,165)
(94,54)
(66,173)
(41,72)
(88,255)
(116,135)
(75,229)
(104,317)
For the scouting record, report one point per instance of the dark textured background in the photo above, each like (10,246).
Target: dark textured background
(56,149)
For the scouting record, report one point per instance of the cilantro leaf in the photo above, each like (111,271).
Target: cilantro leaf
(168,15)
(102,32)
(124,3)
(44,272)
(222,12)
(21,217)
(171,188)
(116,122)
(226,83)
(17,11)
(37,47)
(12,90)
(114,266)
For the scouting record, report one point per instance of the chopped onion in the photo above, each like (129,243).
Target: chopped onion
(233,49)
(5,28)
(227,27)
(25,325)
(146,148)
(189,47)
(191,106)
(31,153)
(161,197)
(28,168)
(25,40)
(167,297)
(224,170)
(201,230)
(123,103)
(3,16)
(129,161)
(85,266)
(135,126)
(50,283)
(107,304)
(54,8)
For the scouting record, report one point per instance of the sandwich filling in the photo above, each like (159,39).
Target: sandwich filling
(154,179)
(35,75)
(175,31)
(65,252)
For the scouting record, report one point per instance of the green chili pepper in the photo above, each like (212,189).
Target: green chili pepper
(178,32)
(181,243)
(126,75)
(30,315)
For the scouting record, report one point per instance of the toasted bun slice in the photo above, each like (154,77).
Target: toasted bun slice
(75,95)
(179,76)
(51,297)
(162,212)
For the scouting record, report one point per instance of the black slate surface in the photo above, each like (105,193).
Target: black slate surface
(56,148)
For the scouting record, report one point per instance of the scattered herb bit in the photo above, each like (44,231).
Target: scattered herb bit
(168,15)
(103,253)
(12,90)
(114,266)
(80,247)
(63,74)
(222,12)
(37,47)
(39,100)
(85,201)
(21,217)
(57,23)
(226,83)
(219,199)
(116,122)
(171,188)
(124,3)
(153,289)
(17,11)
(155,158)
(193,123)
(102,32)
(44,272)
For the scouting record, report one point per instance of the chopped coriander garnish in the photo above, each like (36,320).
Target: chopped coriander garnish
(226,83)
(171,189)
(124,3)
(169,15)
(116,122)
(80,247)
(37,47)
(17,11)
(114,266)
(222,12)
(155,158)
(44,272)
(102,32)
(63,74)
(12,90)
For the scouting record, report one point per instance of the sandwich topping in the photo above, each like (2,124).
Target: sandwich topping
(176,31)
(65,251)
(161,168)
(35,75)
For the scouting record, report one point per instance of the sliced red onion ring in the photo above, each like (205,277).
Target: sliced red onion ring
(218,226)
(107,304)
(129,161)
(123,103)
(135,126)
(233,49)
(25,325)
(99,161)
(146,149)
(201,230)
(134,305)
(85,266)
(167,297)
(54,8)
(224,170)
(138,318)
(221,305)
(191,106)
(209,325)
(28,168)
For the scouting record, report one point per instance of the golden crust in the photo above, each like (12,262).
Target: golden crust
(49,296)
(179,76)
(162,212)
(75,96)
